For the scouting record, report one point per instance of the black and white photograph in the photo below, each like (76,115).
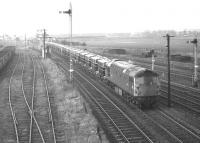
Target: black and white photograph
(99,71)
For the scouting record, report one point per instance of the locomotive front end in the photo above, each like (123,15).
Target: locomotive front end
(147,87)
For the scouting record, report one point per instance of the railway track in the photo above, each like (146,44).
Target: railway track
(26,120)
(5,114)
(57,124)
(175,133)
(120,126)
(164,130)
(186,96)
(187,67)
(182,133)
(19,105)
(45,118)
(183,101)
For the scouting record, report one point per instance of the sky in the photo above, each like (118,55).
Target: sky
(98,16)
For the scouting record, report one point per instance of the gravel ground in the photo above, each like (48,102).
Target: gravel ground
(74,116)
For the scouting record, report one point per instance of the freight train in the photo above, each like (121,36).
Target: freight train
(133,83)
(5,55)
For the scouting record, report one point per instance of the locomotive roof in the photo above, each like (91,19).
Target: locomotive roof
(147,72)
(56,44)
(133,70)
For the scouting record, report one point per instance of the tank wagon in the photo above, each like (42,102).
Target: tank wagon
(6,55)
(133,83)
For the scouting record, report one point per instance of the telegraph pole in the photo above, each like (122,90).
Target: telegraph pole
(195,78)
(168,61)
(70,59)
(43,35)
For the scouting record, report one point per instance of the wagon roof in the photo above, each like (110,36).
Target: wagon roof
(96,57)
(104,60)
(77,50)
(90,55)
(55,44)
(84,53)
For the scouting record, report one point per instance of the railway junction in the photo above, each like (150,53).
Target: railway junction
(65,91)
(40,103)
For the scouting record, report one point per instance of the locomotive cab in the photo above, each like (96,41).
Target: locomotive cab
(147,88)
(146,83)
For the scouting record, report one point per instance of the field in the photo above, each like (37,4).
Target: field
(134,45)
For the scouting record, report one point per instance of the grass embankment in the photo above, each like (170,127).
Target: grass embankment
(75,120)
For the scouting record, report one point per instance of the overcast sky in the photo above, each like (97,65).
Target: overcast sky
(98,16)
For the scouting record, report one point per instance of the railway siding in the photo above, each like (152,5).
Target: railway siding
(41,104)
(23,125)
(7,132)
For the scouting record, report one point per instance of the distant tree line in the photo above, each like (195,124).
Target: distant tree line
(160,33)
